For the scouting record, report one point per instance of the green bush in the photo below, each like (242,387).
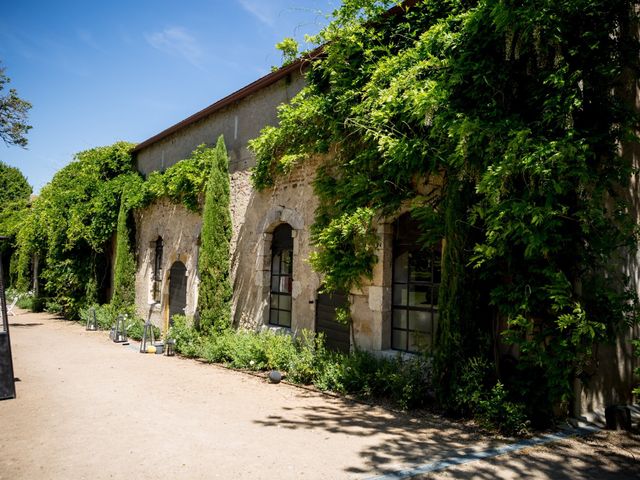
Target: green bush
(477,393)
(188,341)
(307,364)
(107,314)
(496,412)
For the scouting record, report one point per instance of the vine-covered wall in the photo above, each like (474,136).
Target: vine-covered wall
(515,105)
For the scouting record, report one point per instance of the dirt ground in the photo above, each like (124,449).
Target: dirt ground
(89,408)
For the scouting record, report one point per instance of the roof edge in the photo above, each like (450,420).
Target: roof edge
(245,91)
(255,86)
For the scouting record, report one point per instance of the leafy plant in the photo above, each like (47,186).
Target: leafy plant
(124,264)
(214,299)
(512,111)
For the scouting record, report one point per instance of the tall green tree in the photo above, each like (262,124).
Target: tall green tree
(15,193)
(214,296)
(71,223)
(124,268)
(13,114)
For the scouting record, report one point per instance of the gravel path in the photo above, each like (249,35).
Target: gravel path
(89,408)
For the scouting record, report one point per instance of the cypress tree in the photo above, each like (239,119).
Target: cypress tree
(214,299)
(124,267)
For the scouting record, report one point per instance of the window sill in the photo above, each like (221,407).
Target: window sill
(276,329)
(405,356)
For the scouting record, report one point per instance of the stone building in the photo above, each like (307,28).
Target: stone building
(273,284)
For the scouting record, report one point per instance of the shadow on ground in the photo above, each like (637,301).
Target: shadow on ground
(601,456)
(399,441)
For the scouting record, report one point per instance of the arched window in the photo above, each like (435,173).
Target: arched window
(157,269)
(416,280)
(281,276)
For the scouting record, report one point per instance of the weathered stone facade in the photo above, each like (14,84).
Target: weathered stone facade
(180,231)
(255,216)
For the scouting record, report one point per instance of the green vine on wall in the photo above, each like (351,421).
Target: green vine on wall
(71,224)
(521,105)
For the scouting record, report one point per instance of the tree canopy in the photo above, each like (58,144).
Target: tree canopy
(13,114)
(15,192)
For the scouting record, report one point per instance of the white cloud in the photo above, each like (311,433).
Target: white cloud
(260,9)
(178,42)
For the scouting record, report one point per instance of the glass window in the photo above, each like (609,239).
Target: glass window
(281,276)
(416,279)
(157,269)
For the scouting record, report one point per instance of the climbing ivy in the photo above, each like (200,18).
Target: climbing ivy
(70,226)
(183,182)
(522,110)
(214,298)
(71,223)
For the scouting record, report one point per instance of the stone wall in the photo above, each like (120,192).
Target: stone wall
(238,122)
(255,216)
(180,231)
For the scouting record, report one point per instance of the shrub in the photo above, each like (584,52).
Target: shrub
(496,412)
(107,314)
(306,365)
(188,341)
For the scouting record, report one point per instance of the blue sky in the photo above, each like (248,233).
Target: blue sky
(98,72)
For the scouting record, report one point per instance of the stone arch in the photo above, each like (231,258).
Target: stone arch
(277,215)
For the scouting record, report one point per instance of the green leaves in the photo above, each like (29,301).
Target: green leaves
(214,297)
(520,102)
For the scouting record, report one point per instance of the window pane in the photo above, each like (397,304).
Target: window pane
(284,318)
(420,267)
(399,340)
(400,294)
(401,268)
(274,283)
(284,302)
(286,261)
(419,341)
(419,295)
(275,263)
(273,303)
(284,284)
(420,320)
(399,318)
(437,268)
(273,317)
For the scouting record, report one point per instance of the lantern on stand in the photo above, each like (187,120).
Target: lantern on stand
(148,339)
(92,322)
(120,330)
(170,349)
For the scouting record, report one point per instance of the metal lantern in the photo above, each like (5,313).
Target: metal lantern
(170,348)
(148,338)
(120,330)
(92,322)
